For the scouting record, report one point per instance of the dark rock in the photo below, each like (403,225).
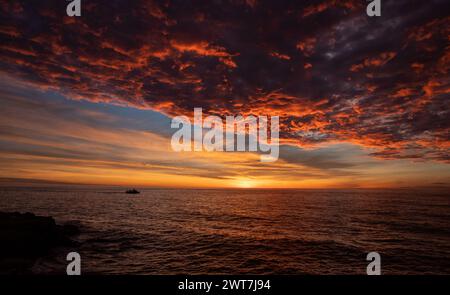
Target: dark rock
(70,230)
(26,237)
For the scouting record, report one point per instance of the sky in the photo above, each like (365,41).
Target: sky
(363,101)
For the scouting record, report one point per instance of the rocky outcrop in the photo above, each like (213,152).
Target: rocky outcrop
(26,237)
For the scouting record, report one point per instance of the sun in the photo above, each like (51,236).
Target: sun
(245,183)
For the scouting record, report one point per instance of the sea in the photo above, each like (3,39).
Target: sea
(243,231)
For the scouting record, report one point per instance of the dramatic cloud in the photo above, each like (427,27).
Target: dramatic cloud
(332,73)
(107,144)
(45,136)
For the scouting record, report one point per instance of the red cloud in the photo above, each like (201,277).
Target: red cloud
(249,57)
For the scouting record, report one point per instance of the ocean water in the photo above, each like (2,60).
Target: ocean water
(171,231)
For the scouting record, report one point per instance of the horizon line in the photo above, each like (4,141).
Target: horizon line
(32,182)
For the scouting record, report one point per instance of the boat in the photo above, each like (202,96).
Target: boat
(132,191)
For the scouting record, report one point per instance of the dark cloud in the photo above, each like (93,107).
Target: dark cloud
(331,72)
(332,157)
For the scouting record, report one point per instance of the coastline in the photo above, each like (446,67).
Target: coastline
(26,237)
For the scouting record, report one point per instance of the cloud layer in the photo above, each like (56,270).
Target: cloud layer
(329,71)
(47,137)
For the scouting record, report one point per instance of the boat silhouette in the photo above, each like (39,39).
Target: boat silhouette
(132,191)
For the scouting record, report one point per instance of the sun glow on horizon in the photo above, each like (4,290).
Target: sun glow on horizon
(245,183)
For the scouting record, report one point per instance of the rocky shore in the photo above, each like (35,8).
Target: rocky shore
(25,237)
